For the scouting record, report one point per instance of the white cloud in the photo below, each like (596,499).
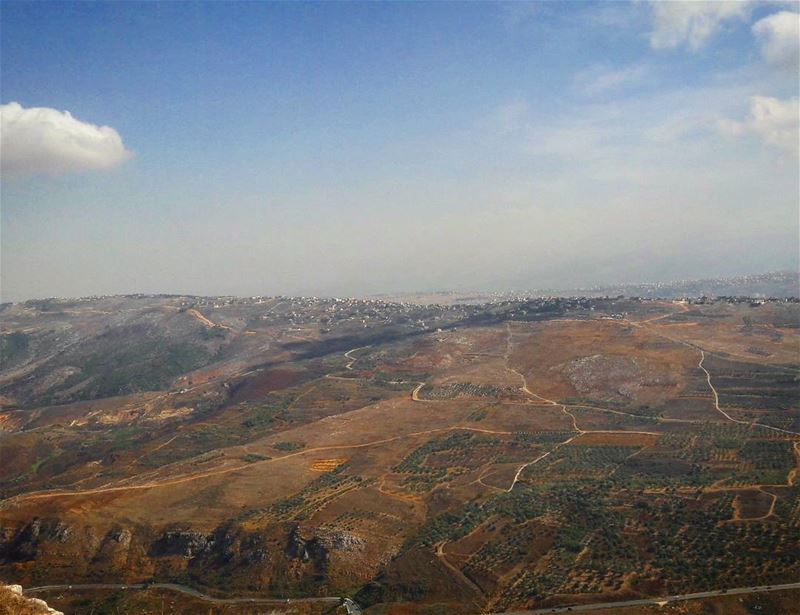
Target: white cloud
(779,35)
(692,23)
(40,140)
(601,79)
(772,120)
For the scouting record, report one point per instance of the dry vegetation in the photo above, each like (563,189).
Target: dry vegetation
(522,455)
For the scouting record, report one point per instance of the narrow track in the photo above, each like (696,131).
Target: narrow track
(725,414)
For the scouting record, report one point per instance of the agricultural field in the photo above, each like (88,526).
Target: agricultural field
(522,454)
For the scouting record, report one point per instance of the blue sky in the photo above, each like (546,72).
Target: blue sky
(352,148)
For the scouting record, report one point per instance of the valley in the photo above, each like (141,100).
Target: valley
(522,454)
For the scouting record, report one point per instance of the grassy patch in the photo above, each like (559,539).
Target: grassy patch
(288,446)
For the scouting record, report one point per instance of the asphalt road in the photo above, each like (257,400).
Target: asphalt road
(184,590)
(582,608)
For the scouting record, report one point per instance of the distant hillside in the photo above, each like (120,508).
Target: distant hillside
(778,284)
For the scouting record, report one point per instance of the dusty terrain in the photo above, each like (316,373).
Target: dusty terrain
(521,454)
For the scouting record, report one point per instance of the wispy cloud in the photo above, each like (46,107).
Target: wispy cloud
(772,120)
(40,140)
(601,79)
(675,24)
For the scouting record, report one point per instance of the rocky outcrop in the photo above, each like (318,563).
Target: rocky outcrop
(312,550)
(280,557)
(616,376)
(13,602)
(61,532)
(343,541)
(182,543)
(115,547)
(297,547)
(25,544)
(254,550)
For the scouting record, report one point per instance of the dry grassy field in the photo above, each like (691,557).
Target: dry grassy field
(507,458)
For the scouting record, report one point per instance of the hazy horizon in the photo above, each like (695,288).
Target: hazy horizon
(358,149)
(426,291)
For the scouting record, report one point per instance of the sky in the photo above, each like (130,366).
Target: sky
(346,148)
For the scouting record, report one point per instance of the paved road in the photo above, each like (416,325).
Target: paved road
(354,609)
(582,608)
(194,593)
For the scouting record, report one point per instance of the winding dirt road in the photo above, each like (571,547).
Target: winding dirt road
(352,359)
(725,414)
(457,571)
(192,477)
(208,323)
